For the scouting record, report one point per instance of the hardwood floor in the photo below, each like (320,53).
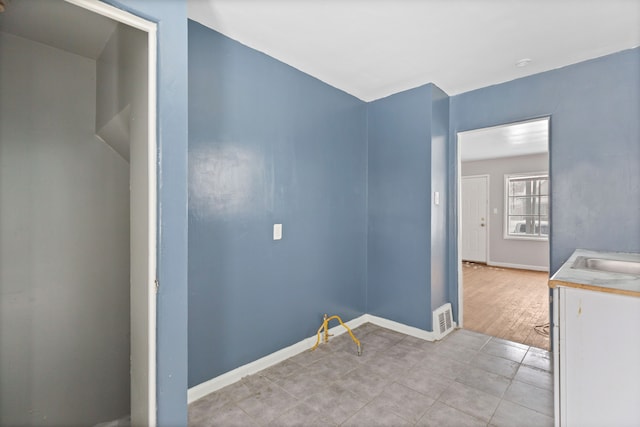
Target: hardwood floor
(506,303)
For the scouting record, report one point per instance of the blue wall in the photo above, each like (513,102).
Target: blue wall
(353,182)
(172,199)
(268,144)
(594,149)
(399,207)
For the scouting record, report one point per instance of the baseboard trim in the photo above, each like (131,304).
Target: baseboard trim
(518,266)
(228,378)
(401,327)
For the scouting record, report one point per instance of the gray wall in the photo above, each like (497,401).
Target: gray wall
(64,246)
(121,121)
(114,89)
(525,253)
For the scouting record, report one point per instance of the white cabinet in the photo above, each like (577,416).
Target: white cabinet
(596,358)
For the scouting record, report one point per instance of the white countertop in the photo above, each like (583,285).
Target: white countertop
(602,281)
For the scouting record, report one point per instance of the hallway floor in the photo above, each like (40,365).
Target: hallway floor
(467,379)
(507,303)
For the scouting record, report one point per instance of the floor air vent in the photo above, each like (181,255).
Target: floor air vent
(442,321)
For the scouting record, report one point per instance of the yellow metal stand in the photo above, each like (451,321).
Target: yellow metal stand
(325,326)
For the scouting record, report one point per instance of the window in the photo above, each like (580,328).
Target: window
(527,206)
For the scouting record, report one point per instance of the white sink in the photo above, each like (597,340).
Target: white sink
(608,265)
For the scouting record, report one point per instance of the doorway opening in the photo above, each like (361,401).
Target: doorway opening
(77,214)
(503,223)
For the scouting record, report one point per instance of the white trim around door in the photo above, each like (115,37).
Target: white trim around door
(143,375)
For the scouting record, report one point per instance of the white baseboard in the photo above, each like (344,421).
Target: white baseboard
(400,327)
(518,266)
(228,378)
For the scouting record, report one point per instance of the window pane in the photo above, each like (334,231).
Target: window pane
(544,187)
(527,200)
(523,206)
(518,188)
(522,225)
(544,206)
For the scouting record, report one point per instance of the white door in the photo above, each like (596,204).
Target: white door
(474,214)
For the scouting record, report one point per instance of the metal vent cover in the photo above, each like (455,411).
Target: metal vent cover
(443,321)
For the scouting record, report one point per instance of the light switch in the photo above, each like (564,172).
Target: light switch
(495,211)
(436,198)
(277,231)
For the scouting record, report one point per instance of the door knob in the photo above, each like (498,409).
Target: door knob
(481,225)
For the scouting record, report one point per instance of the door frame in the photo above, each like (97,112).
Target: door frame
(458,219)
(487,222)
(458,183)
(127,18)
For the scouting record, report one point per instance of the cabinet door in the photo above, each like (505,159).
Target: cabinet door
(599,358)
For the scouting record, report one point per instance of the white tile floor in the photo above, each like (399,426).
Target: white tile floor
(467,379)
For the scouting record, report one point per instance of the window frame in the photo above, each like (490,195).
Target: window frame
(506,232)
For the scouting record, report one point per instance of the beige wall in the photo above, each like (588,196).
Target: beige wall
(503,251)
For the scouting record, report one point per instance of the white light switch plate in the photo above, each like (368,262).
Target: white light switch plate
(436,198)
(277,231)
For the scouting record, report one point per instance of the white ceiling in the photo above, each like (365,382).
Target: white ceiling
(374,48)
(514,139)
(58,24)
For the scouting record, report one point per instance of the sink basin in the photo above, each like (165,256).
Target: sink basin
(608,265)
